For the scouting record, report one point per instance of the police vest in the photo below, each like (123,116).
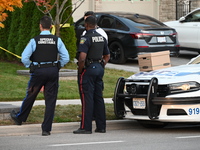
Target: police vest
(95,51)
(46,48)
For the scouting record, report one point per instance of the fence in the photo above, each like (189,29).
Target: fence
(183,7)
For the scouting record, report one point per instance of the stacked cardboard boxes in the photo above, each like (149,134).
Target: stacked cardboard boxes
(154,61)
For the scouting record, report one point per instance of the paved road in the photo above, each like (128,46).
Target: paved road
(120,135)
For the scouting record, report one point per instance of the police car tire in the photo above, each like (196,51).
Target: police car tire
(117,53)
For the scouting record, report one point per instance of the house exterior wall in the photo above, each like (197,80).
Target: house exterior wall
(148,7)
(163,10)
(167,10)
(195,4)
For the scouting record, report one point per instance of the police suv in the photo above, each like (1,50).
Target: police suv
(162,96)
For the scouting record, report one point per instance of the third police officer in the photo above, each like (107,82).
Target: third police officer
(93,56)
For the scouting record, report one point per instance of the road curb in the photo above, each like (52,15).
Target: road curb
(69,127)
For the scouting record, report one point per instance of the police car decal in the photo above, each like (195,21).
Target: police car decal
(194,111)
(174,71)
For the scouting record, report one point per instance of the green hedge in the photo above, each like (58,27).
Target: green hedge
(4,36)
(68,35)
(23,24)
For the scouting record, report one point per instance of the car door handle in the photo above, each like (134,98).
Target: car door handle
(195,25)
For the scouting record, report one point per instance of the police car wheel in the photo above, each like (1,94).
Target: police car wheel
(117,53)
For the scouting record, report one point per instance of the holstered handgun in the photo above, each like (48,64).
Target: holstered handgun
(32,68)
(59,65)
(87,63)
(102,63)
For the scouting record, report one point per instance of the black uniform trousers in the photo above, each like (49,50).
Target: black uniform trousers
(91,92)
(47,77)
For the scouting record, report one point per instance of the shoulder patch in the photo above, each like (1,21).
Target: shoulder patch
(82,40)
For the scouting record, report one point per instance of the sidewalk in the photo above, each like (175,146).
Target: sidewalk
(131,68)
(41,102)
(57,128)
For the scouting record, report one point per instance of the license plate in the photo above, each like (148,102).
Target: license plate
(161,39)
(139,103)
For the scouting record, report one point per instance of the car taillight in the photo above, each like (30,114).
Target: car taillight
(142,46)
(174,34)
(141,35)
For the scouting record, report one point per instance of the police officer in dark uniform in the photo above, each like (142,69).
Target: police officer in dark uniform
(41,55)
(93,56)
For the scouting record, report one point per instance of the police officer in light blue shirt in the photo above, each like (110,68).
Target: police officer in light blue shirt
(30,48)
(41,56)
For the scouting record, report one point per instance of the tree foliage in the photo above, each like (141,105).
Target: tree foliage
(61,12)
(7,5)
(36,15)
(25,27)
(24,24)
(68,35)
(4,33)
(57,9)
(13,32)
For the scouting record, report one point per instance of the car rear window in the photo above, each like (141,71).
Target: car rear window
(142,20)
(112,23)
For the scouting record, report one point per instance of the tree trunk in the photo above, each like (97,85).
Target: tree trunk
(57,27)
(57,20)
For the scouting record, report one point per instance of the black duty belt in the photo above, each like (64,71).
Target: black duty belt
(91,61)
(33,67)
(46,65)
(94,61)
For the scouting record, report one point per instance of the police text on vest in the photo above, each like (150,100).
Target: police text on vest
(97,39)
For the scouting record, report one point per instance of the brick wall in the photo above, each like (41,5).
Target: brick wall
(195,4)
(167,10)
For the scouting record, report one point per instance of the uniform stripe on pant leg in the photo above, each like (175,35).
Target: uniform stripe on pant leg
(83,101)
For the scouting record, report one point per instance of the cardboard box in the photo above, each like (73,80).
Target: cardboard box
(154,61)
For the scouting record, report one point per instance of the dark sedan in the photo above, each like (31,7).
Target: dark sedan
(130,34)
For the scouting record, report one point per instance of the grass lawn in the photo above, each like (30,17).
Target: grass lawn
(63,113)
(13,88)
